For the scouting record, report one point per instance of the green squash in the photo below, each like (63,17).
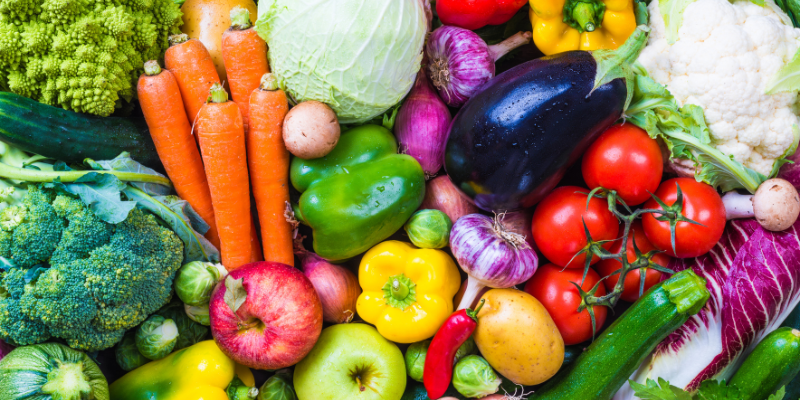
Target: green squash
(50,371)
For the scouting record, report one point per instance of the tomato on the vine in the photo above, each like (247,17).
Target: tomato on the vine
(558,230)
(625,159)
(551,286)
(630,291)
(701,203)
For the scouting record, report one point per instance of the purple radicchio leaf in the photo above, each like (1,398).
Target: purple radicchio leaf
(754,279)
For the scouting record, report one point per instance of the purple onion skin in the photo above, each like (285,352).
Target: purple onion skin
(791,172)
(488,257)
(459,63)
(422,124)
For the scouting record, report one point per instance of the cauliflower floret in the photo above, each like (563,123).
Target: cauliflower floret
(722,60)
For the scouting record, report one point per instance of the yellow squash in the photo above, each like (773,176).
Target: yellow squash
(408,292)
(564,25)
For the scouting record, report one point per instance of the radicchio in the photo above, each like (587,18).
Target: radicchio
(754,279)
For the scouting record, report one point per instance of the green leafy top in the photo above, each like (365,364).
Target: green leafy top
(709,390)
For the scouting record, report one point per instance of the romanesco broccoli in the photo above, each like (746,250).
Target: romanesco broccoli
(78,278)
(82,55)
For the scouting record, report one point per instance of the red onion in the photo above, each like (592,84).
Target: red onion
(490,254)
(422,124)
(520,223)
(442,195)
(460,62)
(337,287)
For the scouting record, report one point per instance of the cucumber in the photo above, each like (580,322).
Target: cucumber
(69,136)
(611,359)
(773,363)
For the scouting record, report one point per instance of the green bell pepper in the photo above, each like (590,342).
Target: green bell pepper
(361,193)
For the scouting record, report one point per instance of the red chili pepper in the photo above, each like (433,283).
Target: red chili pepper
(441,355)
(474,14)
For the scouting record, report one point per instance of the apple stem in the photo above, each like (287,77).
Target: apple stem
(244,325)
(361,387)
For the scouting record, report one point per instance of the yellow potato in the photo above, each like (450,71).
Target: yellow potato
(206,20)
(518,338)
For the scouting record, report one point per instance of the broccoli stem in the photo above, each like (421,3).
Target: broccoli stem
(31,175)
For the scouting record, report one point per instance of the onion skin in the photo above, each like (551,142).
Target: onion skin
(491,255)
(442,195)
(460,62)
(422,124)
(336,286)
(520,223)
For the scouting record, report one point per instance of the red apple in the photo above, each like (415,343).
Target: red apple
(278,315)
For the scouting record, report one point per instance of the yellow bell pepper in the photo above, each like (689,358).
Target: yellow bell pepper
(564,25)
(407,292)
(198,372)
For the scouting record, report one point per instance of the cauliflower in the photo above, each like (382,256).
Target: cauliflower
(722,58)
(77,278)
(82,55)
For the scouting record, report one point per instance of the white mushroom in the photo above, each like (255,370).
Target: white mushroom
(775,205)
(311,130)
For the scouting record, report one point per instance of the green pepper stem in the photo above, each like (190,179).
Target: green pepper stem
(583,14)
(399,289)
(474,313)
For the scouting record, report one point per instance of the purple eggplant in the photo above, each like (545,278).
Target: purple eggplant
(512,142)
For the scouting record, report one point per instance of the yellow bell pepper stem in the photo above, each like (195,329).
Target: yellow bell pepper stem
(407,292)
(564,25)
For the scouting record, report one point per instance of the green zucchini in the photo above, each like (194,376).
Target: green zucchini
(69,136)
(611,359)
(771,365)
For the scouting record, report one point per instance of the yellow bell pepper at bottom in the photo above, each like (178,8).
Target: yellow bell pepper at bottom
(552,35)
(198,372)
(407,292)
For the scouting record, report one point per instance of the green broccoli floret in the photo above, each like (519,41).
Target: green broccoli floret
(100,279)
(82,55)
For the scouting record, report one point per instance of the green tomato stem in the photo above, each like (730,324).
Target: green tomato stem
(31,175)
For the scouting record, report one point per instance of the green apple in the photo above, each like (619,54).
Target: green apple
(351,361)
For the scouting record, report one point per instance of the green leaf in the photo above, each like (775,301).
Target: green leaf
(181,219)
(660,390)
(641,13)
(779,394)
(125,163)
(672,12)
(713,390)
(102,194)
(787,79)
(235,295)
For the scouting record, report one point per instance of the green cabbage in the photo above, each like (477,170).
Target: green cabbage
(360,57)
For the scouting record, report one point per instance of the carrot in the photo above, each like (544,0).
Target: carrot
(194,70)
(162,106)
(245,56)
(222,143)
(269,169)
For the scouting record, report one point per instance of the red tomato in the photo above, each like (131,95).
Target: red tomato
(551,286)
(631,290)
(701,203)
(558,230)
(624,158)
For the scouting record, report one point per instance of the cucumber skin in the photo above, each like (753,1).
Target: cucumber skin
(69,136)
(608,363)
(773,363)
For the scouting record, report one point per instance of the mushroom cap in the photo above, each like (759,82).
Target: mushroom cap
(776,204)
(311,130)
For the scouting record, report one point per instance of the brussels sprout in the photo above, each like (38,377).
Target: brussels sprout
(474,377)
(429,229)
(415,359)
(156,338)
(196,280)
(415,356)
(128,355)
(198,314)
(189,331)
(277,387)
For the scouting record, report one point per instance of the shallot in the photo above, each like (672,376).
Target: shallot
(442,195)
(460,62)
(336,286)
(490,254)
(421,126)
